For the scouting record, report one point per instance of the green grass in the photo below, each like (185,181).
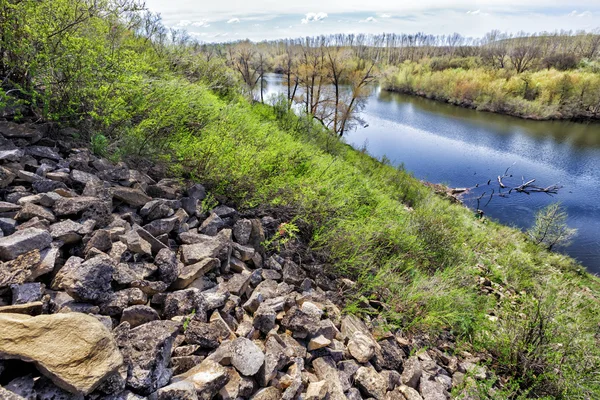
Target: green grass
(418,254)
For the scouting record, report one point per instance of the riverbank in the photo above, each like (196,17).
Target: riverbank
(541,95)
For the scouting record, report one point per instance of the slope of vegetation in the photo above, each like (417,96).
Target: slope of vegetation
(422,264)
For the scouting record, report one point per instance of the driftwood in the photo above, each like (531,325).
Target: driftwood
(504,189)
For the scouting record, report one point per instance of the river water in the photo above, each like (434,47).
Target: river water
(459,147)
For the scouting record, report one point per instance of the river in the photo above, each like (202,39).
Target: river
(442,143)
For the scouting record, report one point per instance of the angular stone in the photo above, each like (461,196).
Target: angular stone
(156,209)
(43,152)
(370,383)
(66,231)
(346,371)
(211,225)
(431,389)
(7,207)
(408,392)
(242,230)
(6,177)
(31,210)
(136,244)
(275,360)
(238,284)
(207,335)
(74,205)
(184,302)
(190,273)
(212,247)
(131,196)
(74,350)
(138,315)
(197,192)
(161,226)
(208,378)
(23,242)
(168,266)
(86,281)
(292,273)
(148,351)
(361,347)
(26,293)
(182,390)
(325,369)
(318,342)
(412,372)
(11,154)
(82,177)
(316,390)
(47,185)
(246,356)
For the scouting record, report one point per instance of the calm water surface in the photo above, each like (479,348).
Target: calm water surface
(446,144)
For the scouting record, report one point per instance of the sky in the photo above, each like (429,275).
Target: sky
(231,20)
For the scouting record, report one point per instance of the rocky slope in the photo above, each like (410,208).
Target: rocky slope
(115,285)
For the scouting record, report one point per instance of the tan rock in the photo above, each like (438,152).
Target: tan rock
(74,350)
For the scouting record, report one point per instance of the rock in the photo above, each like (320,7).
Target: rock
(182,390)
(300,322)
(26,293)
(28,176)
(131,196)
(211,225)
(7,207)
(409,393)
(23,242)
(42,152)
(207,335)
(6,177)
(318,342)
(412,372)
(325,369)
(157,209)
(31,210)
(208,378)
(246,357)
(33,308)
(47,185)
(7,226)
(86,280)
(74,205)
(275,360)
(122,299)
(138,315)
(270,393)
(190,273)
(197,192)
(136,244)
(292,273)
(370,383)
(66,231)
(316,391)
(19,270)
(184,302)
(155,244)
(74,350)
(242,230)
(100,240)
(148,351)
(238,284)
(162,226)
(168,266)
(211,247)
(431,389)
(11,154)
(264,318)
(346,371)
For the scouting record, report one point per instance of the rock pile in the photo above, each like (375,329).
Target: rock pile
(114,285)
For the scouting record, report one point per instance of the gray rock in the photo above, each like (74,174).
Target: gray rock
(408,392)
(30,210)
(168,266)
(138,315)
(208,335)
(197,192)
(242,230)
(189,273)
(86,281)
(208,378)
(23,242)
(184,302)
(182,390)
(156,209)
(66,231)
(412,372)
(211,225)
(135,243)
(246,356)
(370,383)
(238,283)
(190,205)
(346,371)
(431,389)
(131,196)
(11,154)
(292,273)
(275,360)
(8,226)
(75,205)
(148,352)
(6,177)
(326,370)
(26,293)
(47,185)
(212,247)
(264,318)
(300,322)
(42,152)
(161,226)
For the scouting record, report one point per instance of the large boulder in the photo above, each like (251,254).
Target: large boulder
(74,350)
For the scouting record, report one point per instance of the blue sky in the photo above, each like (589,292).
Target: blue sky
(227,20)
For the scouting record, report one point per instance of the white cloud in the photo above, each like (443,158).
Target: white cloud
(314,17)
(234,21)
(477,12)
(574,13)
(385,16)
(184,22)
(204,23)
(367,20)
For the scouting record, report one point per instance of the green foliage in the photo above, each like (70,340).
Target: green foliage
(99,145)
(286,232)
(550,228)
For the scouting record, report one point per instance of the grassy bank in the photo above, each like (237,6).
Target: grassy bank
(543,94)
(423,264)
(427,260)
